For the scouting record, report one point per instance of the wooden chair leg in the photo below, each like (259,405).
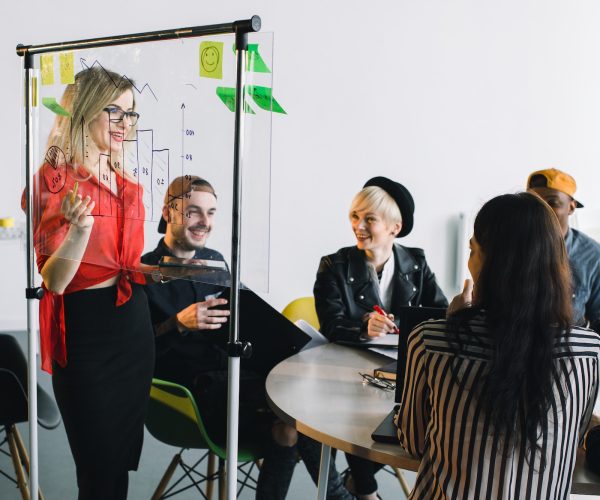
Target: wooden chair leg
(162,486)
(222,480)
(22,449)
(210,475)
(402,481)
(14,454)
(25,457)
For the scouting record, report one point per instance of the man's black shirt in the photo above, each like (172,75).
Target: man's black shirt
(180,356)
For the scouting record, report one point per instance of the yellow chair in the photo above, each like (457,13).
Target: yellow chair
(302,308)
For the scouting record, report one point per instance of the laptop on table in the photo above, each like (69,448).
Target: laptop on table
(410,317)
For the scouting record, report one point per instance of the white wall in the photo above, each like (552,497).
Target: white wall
(458,100)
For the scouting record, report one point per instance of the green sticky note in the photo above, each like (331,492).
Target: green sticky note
(52,105)
(47,69)
(255,62)
(211,60)
(227,95)
(67,68)
(264,98)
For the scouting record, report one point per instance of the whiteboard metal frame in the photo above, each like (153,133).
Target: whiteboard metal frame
(235,348)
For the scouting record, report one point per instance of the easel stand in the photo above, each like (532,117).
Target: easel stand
(236,348)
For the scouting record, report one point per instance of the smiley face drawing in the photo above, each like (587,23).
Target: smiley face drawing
(211,60)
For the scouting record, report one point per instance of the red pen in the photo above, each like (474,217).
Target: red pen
(379,310)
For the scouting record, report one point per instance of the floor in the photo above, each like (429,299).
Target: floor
(57,471)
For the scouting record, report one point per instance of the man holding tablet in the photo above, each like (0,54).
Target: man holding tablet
(189,317)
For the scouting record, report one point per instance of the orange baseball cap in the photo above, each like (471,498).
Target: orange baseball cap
(555,179)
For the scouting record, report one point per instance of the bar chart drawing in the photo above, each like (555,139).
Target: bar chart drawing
(150,167)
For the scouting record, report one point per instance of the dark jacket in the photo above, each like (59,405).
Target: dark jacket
(180,356)
(345,292)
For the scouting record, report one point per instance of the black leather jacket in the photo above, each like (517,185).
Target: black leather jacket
(345,291)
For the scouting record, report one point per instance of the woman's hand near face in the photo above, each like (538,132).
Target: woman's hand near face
(463,300)
(62,265)
(379,325)
(77,210)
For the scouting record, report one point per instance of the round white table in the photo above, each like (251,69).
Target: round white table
(321,392)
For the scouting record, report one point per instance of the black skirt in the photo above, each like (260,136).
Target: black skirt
(103,391)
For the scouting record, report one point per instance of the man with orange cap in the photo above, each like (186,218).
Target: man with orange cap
(558,188)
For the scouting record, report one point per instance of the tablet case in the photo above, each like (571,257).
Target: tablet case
(273,337)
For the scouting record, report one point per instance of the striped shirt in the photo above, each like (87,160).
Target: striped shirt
(441,421)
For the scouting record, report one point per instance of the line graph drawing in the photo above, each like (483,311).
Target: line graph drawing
(84,65)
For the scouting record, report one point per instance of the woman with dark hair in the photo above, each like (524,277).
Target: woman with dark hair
(497,396)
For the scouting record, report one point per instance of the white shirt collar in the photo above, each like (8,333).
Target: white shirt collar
(386,283)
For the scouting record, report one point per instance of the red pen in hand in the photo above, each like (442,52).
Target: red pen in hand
(379,310)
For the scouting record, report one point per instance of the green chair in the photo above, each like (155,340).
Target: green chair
(173,418)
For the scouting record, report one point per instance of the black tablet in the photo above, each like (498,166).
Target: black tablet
(273,337)
(410,317)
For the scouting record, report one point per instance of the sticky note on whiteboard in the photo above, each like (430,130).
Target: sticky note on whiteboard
(255,61)
(67,68)
(52,105)
(263,96)
(47,69)
(211,60)
(227,96)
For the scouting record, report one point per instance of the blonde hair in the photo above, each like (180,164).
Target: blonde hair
(94,89)
(377,200)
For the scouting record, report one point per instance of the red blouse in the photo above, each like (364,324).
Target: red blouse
(115,245)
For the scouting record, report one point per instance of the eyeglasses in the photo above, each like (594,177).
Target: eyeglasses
(115,115)
(378,382)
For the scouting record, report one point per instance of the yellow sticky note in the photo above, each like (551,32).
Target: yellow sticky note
(67,68)
(47,68)
(211,59)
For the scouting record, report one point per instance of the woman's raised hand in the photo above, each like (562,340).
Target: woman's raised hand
(462,300)
(78,210)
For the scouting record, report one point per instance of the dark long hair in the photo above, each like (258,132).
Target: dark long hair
(524,292)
